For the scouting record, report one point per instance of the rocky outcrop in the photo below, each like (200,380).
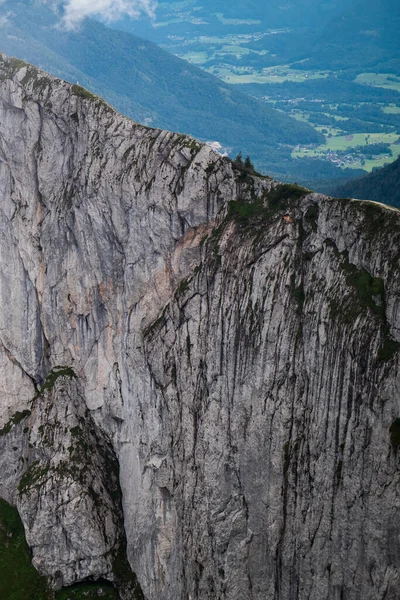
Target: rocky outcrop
(65,484)
(235,343)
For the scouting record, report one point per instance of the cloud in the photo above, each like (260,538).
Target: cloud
(5,19)
(109,10)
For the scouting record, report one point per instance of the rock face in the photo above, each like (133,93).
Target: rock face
(68,492)
(235,343)
(63,458)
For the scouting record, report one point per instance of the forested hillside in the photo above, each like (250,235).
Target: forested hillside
(382,185)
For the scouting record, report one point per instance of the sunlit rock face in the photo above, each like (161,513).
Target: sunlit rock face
(231,342)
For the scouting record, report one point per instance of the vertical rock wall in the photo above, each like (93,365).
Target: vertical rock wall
(276,370)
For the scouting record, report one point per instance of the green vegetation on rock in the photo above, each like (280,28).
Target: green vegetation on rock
(152,327)
(388,350)
(243,211)
(15,419)
(280,196)
(370,290)
(33,476)
(78,90)
(19,580)
(56,373)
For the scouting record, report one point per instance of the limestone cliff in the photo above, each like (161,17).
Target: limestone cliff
(230,342)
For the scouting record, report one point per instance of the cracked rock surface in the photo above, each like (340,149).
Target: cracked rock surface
(275,398)
(236,347)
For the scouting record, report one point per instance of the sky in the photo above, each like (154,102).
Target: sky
(109,10)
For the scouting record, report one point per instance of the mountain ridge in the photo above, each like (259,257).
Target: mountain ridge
(151,86)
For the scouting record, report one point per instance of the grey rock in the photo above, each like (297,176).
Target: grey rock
(276,397)
(243,362)
(71,464)
(61,472)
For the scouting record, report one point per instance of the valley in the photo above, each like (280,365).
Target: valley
(355,109)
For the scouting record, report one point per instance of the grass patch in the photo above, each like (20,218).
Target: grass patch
(243,212)
(394,431)
(185,141)
(19,579)
(370,290)
(224,21)
(183,286)
(78,90)
(33,476)
(279,196)
(96,590)
(391,109)
(384,80)
(369,293)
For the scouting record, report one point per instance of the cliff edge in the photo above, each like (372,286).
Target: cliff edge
(199,366)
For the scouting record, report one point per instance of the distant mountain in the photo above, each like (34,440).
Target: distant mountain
(210,17)
(276,13)
(382,185)
(364,37)
(150,85)
(343,35)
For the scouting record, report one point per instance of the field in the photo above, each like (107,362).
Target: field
(224,21)
(234,59)
(277,74)
(218,55)
(384,80)
(392,109)
(345,143)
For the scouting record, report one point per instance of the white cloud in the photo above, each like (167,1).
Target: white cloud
(110,10)
(5,19)
(217,147)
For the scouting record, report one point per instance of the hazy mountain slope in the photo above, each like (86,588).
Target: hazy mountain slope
(211,17)
(339,35)
(319,48)
(274,13)
(364,37)
(150,85)
(382,185)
